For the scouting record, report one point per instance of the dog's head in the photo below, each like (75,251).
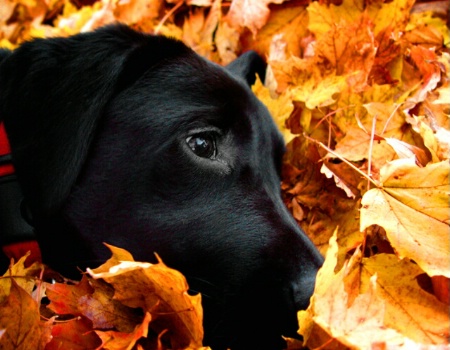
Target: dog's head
(136,141)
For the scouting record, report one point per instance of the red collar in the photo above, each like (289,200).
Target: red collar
(6,167)
(14,250)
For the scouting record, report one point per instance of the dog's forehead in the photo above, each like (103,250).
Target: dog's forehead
(189,90)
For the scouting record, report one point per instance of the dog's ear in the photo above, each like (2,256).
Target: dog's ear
(53,92)
(247,66)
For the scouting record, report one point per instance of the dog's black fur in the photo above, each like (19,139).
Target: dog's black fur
(107,129)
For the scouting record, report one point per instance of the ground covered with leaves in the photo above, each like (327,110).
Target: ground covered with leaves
(360,90)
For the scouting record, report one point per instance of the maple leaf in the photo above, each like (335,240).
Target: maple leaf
(412,203)
(19,317)
(144,285)
(353,51)
(25,277)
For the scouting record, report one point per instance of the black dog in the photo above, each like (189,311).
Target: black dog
(136,141)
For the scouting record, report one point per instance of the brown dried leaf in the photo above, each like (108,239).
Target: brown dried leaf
(106,312)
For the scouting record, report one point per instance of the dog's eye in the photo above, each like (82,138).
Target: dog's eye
(203,145)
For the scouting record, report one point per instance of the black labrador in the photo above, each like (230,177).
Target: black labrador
(136,141)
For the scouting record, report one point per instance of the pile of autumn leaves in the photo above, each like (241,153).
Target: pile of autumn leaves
(361,93)
(115,307)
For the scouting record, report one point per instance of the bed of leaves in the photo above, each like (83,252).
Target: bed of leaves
(360,90)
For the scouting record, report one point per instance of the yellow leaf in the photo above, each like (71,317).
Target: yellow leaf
(426,29)
(394,15)
(324,17)
(423,189)
(319,91)
(25,280)
(410,310)
(413,208)
(287,21)
(280,108)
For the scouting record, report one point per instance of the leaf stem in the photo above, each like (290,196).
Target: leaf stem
(369,165)
(343,159)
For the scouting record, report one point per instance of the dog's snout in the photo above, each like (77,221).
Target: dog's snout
(306,258)
(304,284)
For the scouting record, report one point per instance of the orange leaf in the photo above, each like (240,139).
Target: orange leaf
(426,62)
(112,340)
(64,298)
(75,334)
